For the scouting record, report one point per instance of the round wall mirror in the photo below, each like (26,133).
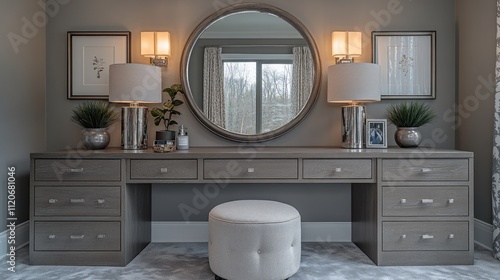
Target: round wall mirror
(251,72)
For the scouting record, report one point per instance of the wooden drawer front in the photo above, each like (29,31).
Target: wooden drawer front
(77,201)
(80,236)
(252,169)
(85,170)
(337,168)
(425,236)
(164,169)
(425,201)
(425,170)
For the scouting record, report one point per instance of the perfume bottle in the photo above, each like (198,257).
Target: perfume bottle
(182,138)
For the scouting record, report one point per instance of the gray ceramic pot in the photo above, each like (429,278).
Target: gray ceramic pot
(95,138)
(408,137)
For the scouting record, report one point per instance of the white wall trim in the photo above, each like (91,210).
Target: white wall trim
(197,232)
(22,238)
(483,234)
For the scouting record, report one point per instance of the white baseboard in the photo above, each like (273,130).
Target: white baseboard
(197,232)
(22,238)
(483,234)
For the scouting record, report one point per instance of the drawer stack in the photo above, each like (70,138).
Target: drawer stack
(77,212)
(426,214)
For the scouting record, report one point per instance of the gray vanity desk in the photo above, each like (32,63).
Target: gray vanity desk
(409,206)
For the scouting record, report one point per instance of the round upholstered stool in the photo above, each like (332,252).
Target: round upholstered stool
(254,239)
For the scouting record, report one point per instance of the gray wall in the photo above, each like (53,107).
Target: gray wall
(476,26)
(320,128)
(22,99)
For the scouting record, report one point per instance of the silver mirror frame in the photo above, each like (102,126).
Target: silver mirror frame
(244,7)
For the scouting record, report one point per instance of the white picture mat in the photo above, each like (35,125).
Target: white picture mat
(406,63)
(111,49)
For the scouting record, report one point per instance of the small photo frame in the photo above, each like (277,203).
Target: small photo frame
(89,57)
(376,133)
(408,63)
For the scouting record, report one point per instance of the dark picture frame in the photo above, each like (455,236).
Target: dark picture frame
(376,133)
(408,63)
(89,55)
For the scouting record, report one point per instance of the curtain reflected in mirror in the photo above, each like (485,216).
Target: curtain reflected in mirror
(254,94)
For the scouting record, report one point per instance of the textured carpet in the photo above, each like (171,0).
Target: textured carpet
(189,261)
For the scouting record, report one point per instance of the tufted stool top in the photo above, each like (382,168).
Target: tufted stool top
(254,211)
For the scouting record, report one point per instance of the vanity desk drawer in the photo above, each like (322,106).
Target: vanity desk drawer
(163,169)
(425,169)
(77,201)
(425,201)
(425,236)
(251,169)
(77,236)
(85,170)
(337,168)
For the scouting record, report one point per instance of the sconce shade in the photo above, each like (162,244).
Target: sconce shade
(155,44)
(134,83)
(353,82)
(346,43)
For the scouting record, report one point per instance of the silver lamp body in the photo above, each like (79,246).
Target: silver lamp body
(353,126)
(134,128)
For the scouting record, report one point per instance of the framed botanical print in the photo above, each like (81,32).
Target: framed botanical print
(408,64)
(89,57)
(376,133)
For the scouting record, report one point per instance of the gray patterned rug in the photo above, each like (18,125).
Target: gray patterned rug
(189,261)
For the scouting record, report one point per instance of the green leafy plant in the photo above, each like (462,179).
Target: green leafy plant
(94,114)
(166,113)
(410,114)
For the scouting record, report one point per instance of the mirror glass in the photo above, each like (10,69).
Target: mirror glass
(250,72)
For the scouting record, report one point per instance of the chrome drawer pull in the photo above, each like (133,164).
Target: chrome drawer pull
(52,200)
(451,200)
(251,170)
(76,170)
(52,236)
(100,200)
(451,236)
(426,170)
(427,236)
(77,236)
(101,236)
(403,200)
(164,170)
(77,200)
(338,170)
(403,236)
(427,200)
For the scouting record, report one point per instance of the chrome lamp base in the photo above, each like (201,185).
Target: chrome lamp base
(134,128)
(353,126)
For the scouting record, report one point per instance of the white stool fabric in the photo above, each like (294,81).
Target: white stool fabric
(254,239)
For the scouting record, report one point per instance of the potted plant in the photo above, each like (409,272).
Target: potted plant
(408,117)
(166,113)
(94,117)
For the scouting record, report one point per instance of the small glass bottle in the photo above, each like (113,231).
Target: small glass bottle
(182,138)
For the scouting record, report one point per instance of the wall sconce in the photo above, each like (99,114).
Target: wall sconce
(353,83)
(346,45)
(156,46)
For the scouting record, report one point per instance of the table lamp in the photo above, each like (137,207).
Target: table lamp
(353,83)
(134,84)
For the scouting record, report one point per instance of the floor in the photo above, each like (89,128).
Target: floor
(189,261)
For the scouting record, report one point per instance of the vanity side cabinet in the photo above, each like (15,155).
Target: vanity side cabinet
(425,210)
(83,213)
